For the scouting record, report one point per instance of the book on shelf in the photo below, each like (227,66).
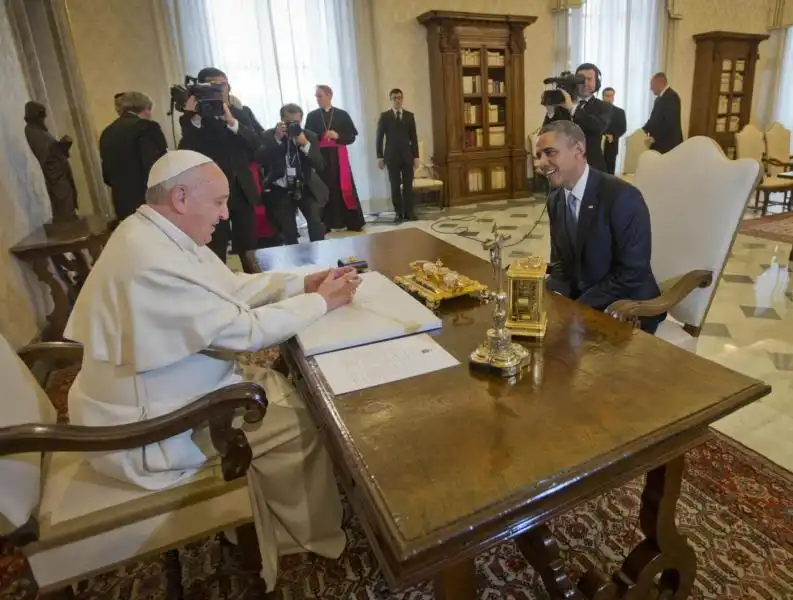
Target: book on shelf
(476,180)
(472,114)
(495,114)
(470,58)
(474,138)
(498,135)
(495,59)
(494,86)
(472,84)
(498,178)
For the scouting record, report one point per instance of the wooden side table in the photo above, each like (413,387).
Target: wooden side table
(62,261)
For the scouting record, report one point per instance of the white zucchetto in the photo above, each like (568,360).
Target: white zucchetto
(173,163)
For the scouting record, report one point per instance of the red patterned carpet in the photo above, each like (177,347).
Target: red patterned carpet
(778,228)
(736,509)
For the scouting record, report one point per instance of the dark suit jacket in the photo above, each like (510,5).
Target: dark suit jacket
(617,125)
(592,118)
(664,124)
(401,143)
(128,147)
(610,259)
(272,156)
(233,152)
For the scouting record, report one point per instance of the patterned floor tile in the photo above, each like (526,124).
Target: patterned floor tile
(733,278)
(715,330)
(760,312)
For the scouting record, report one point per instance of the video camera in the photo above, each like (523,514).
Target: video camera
(568,82)
(209,97)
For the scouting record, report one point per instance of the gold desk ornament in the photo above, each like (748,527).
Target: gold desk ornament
(434,283)
(497,352)
(526,316)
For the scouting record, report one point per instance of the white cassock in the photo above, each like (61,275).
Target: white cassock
(152,302)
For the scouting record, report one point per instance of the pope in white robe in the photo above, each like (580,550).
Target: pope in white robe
(156,298)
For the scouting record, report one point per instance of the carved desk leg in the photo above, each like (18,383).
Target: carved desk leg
(540,548)
(60,299)
(457,582)
(663,565)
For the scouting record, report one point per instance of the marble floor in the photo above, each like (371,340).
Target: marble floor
(749,326)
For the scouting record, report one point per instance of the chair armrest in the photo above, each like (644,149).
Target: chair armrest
(775,162)
(66,351)
(216,409)
(630,310)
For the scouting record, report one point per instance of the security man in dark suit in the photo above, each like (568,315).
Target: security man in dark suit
(664,125)
(231,140)
(291,156)
(588,112)
(601,239)
(615,130)
(397,127)
(128,147)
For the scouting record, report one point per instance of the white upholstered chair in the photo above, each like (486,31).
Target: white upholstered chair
(72,522)
(750,143)
(696,197)
(777,149)
(425,179)
(635,145)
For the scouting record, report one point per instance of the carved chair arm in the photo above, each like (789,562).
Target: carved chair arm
(216,408)
(630,310)
(61,351)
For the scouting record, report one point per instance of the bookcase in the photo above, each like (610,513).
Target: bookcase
(477,92)
(721,103)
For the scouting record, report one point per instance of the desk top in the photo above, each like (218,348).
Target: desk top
(453,452)
(95,225)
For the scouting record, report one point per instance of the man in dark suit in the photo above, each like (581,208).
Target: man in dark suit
(664,125)
(291,155)
(397,127)
(231,140)
(601,239)
(615,130)
(128,147)
(589,113)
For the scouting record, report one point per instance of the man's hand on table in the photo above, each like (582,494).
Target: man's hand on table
(312,282)
(339,287)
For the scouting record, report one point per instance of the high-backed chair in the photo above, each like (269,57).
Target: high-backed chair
(425,179)
(696,197)
(533,171)
(72,522)
(777,149)
(750,143)
(636,144)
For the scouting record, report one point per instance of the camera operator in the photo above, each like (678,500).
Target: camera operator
(231,140)
(292,156)
(588,112)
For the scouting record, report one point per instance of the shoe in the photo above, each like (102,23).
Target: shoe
(412,218)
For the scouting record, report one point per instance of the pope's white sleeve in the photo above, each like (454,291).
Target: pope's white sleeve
(256,328)
(264,288)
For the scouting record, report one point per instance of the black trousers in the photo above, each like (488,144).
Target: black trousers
(282,208)
(400,174)
(239,228)
(610,156)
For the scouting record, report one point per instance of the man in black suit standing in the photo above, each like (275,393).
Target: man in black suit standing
(601,240)
(615,130)
(588,112)
(664,125)
(291,155)
(397,127)
(231,140)
(128,147)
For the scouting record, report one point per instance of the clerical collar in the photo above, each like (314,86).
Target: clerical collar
(330,108)
(179,237)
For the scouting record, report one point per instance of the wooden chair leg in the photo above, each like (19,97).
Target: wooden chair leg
(66,593)
(173,575)
(251,558)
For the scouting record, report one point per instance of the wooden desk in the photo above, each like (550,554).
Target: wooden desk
(443,466)
(64,275)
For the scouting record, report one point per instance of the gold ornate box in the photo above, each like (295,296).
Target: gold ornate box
(526,316)
(435,283)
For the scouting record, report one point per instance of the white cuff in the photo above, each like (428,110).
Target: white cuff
(306,148)
(234,128)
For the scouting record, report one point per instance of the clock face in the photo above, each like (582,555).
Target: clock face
(524,300)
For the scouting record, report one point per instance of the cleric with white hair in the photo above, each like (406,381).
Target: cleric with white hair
(156,298)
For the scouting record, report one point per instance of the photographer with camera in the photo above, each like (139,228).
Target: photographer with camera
(230,137)
(574,100)
(292,157)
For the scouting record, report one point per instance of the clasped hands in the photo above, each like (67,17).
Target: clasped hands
(336,286)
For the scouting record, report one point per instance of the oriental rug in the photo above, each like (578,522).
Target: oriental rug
(735,508)
(778,228)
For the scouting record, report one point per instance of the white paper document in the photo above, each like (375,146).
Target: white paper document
(367,366)
(381,310)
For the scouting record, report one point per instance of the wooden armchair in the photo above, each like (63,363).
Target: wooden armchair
(73,522)
(751,143)
(425,179)
(777,157)
(696,197)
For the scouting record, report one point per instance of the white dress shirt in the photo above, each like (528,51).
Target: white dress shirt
(578,191)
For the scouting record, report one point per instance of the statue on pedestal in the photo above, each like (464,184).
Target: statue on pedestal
(53,156)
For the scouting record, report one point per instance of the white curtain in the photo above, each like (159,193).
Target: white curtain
(783,111)
(275,52)
(624,38)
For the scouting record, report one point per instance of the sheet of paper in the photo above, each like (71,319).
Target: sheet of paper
(380,311)
(376,364)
